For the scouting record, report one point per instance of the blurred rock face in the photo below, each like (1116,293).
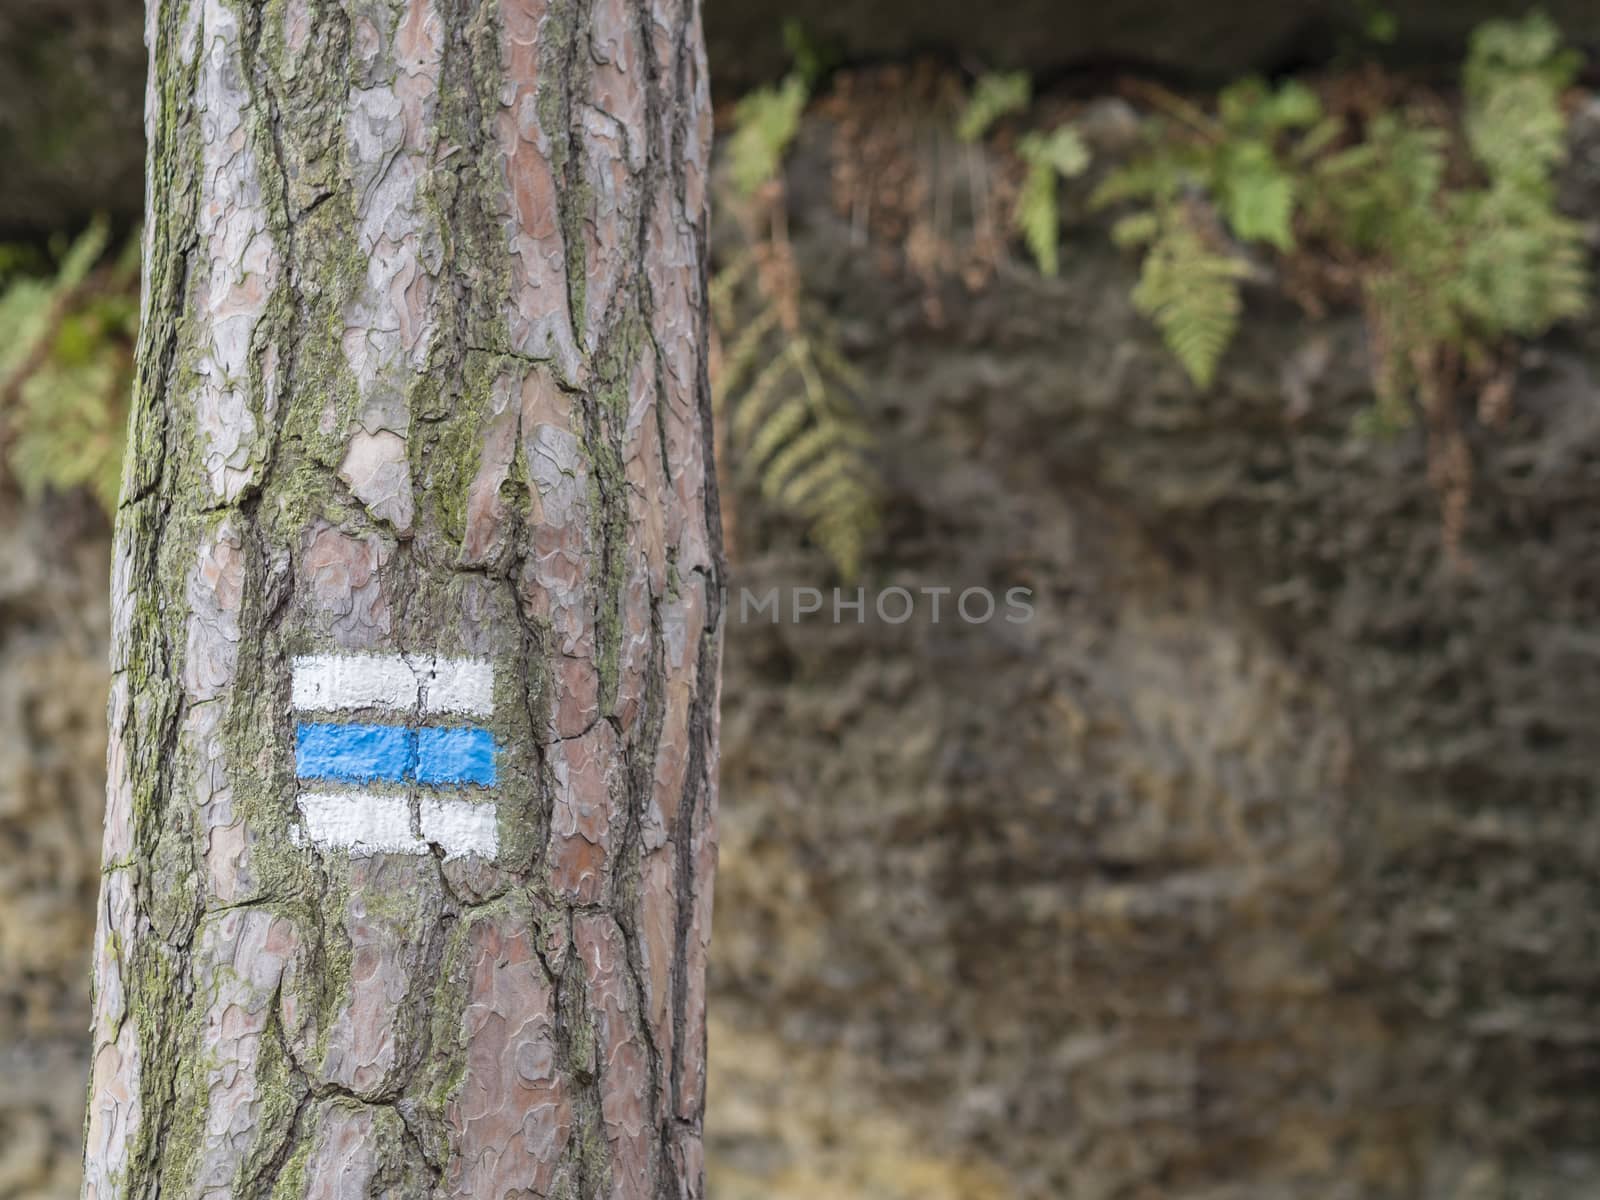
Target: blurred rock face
(1259,865)
(1071,888)
(1262,863)
(53,615)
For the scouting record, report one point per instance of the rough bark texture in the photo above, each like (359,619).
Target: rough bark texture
(70,70)
(422,373)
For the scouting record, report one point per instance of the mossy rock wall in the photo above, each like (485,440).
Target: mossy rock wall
(1262,863)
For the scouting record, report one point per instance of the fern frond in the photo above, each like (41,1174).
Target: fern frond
(1367,194)
(741,358)
(1317,139)
(1157,177)
(70,429)
(1257,195)
(1251,107)
(28,306)
(66,347)
(1524,267)
(834,365)
(1037,219)
(1514,77)
(1292,106)
(843,537)
(778,474)
(1517,131)
(1447,267)
(1136,229)
(774,430)
(812,59)
(1061,152)
(764,393)
(1191,292)
(994,95)
(765,122)
(725,283)
(842,485)
(787,397)
(824,480)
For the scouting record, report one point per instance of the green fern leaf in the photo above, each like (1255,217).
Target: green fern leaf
(1191,292)
(1037,219)
(27,307)
(1157,177)
(775,430)
(1317,139)
(1523,266)
(1257,195)
(824,480)
(792,427)
(1061,152)
(1376,193)
(1513,80)
(65,353)
(786,465)
(1137,229)
(993,96)
(765,122)
(742,357)
(1251,108)
(765,393)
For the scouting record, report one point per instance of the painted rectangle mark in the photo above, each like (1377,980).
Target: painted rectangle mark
(394,682)
(354,753)
(461,827)
(455,756)
(360,822)
(459,685)
(330,682)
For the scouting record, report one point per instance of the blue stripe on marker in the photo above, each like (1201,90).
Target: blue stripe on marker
(455,756)
(359,753)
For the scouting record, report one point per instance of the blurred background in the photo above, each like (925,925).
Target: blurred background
(1257,339)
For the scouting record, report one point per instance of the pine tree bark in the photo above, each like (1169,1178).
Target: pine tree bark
(421,381)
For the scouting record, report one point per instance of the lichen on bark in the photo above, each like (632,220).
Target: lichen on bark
(421,372)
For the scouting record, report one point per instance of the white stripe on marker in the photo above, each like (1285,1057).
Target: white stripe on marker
(334,681)
(329,682)
(366,823)
(361,822)
(459,685)
(461,828)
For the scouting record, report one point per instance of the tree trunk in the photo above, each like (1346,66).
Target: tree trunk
(416,632)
